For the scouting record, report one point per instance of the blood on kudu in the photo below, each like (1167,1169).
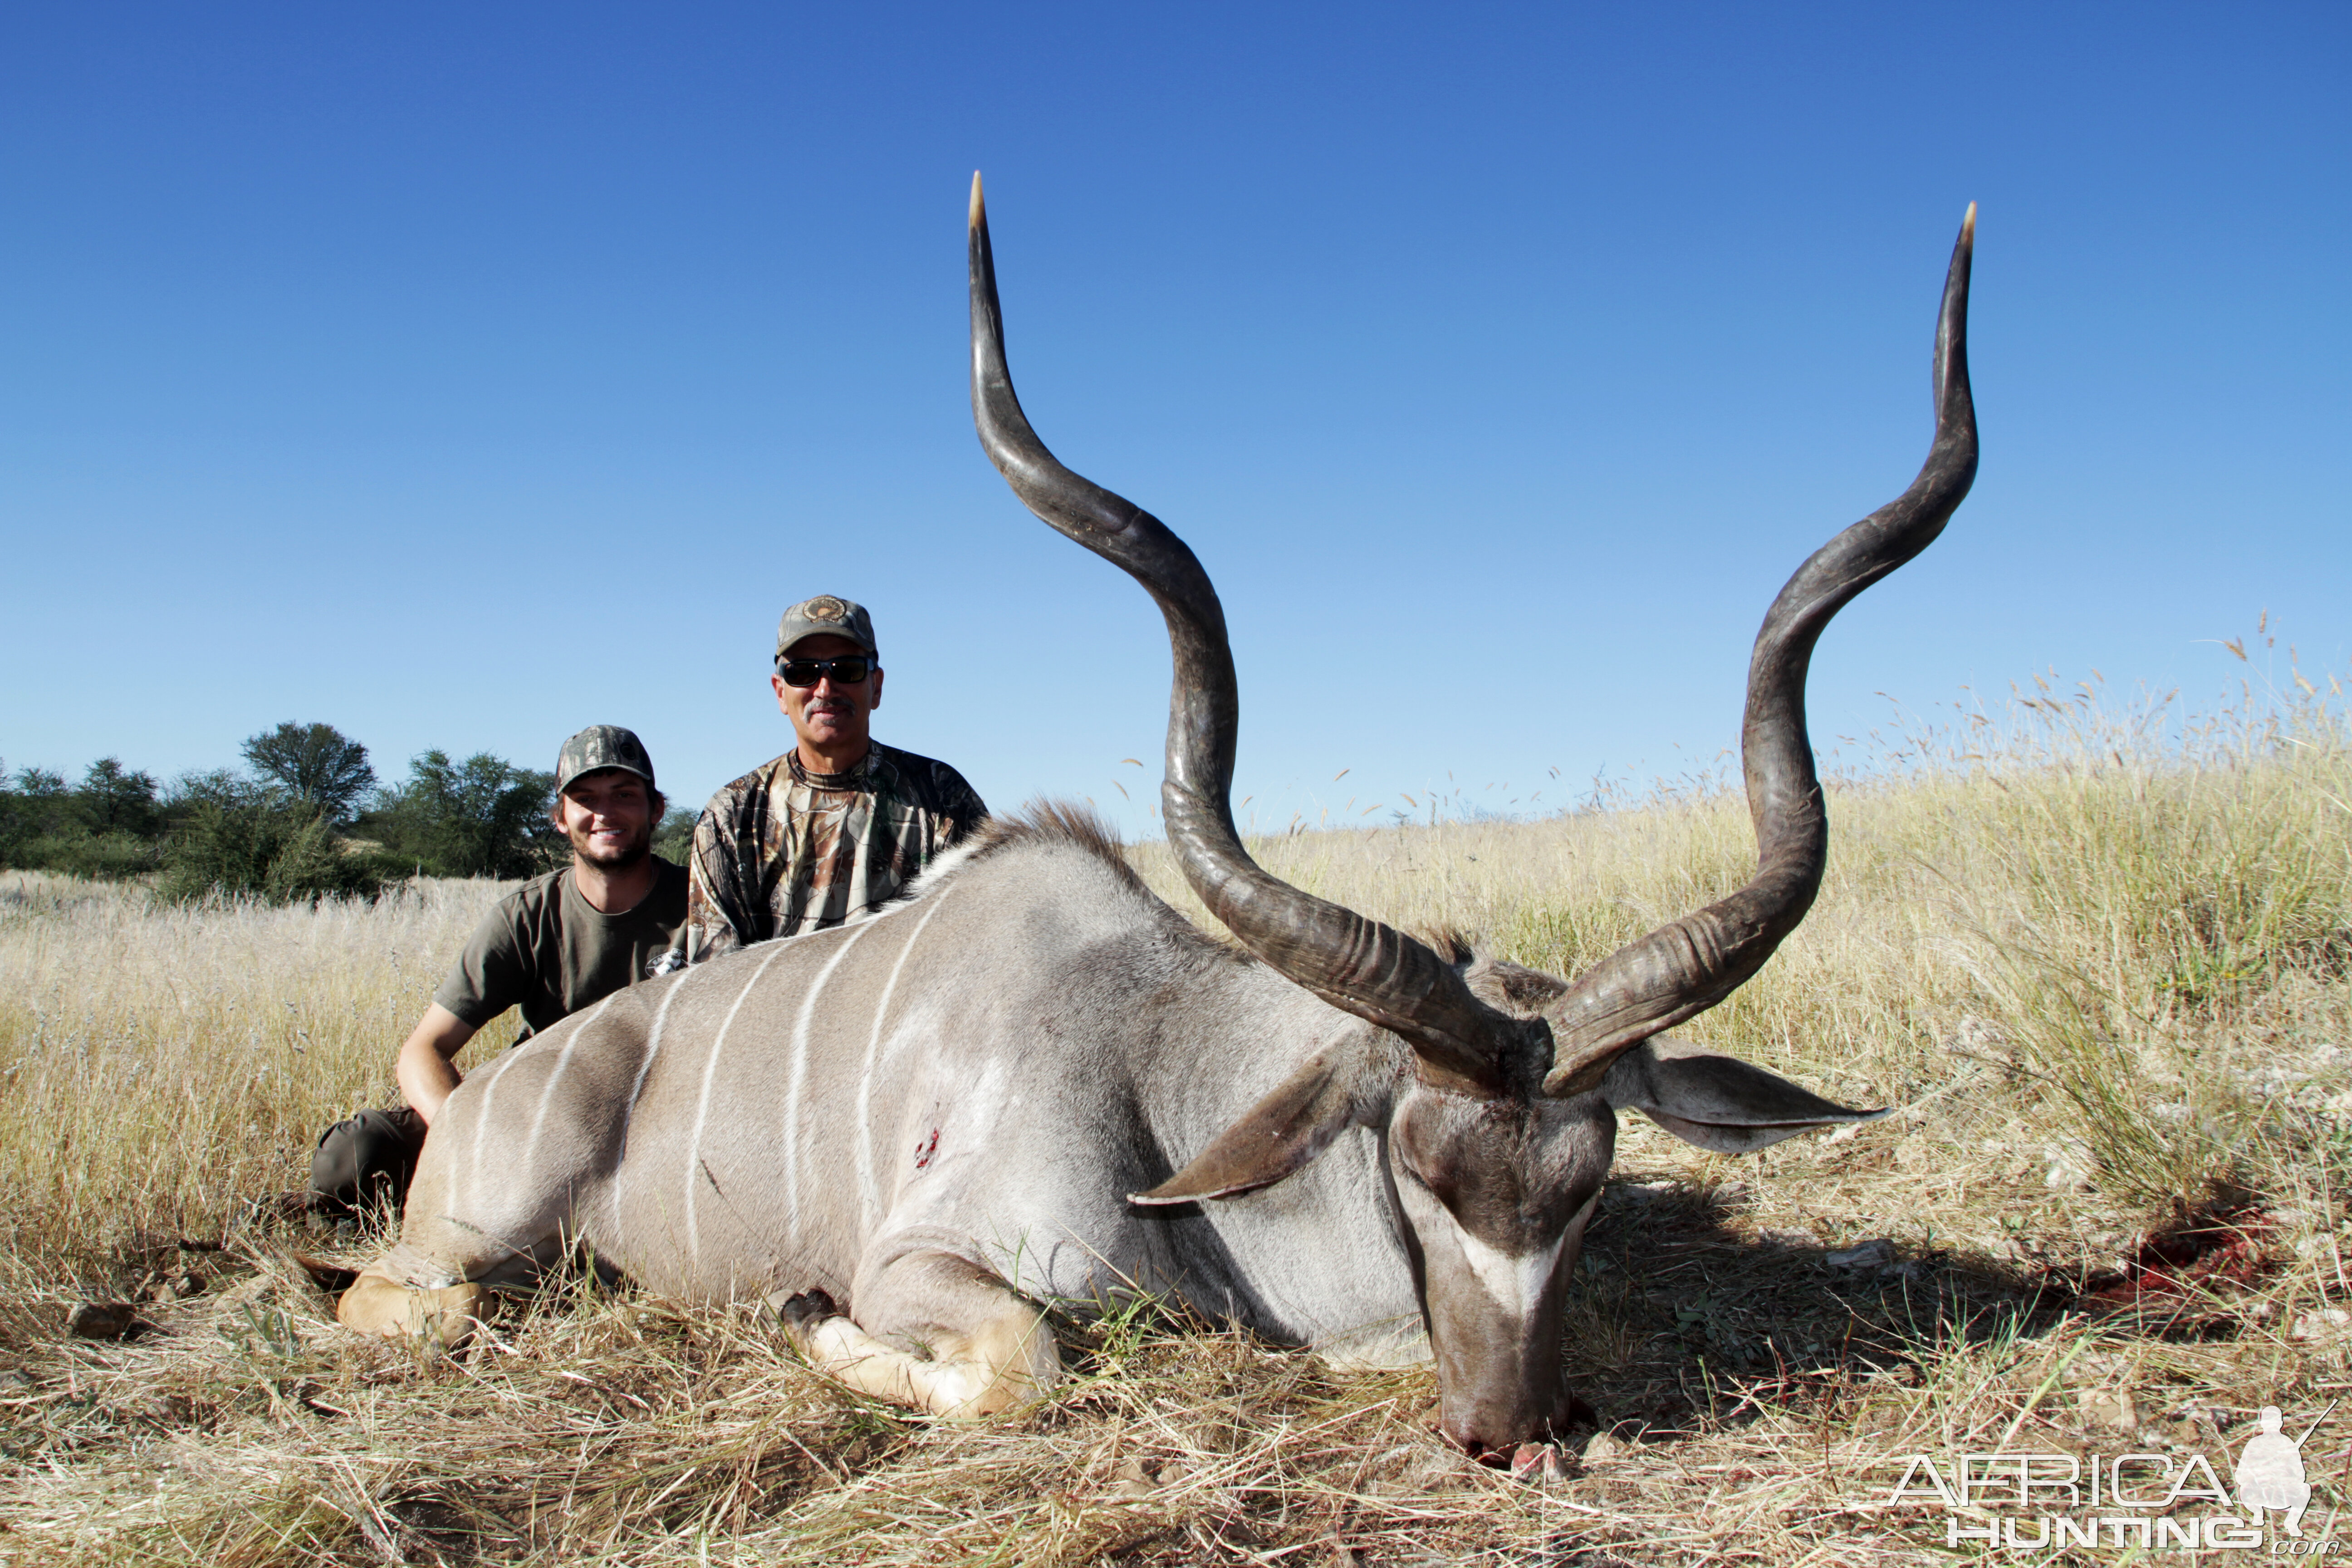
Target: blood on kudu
(1343,1137)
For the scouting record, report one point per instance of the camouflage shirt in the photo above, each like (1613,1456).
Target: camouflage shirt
(782,850)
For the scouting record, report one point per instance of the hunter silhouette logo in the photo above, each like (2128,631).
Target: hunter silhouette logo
(2269,1472)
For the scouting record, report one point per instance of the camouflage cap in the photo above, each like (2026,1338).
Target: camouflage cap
(601,746)
(827,615)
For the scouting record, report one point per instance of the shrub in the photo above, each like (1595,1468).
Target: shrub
(265,846)
(104,829)
(77,852)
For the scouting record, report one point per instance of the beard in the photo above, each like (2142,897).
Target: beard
(633,853)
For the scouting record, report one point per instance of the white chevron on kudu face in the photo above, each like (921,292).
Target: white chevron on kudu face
(1513,1280)
(1043,1087)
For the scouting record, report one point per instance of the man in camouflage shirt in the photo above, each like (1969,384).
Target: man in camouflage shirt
(837,827)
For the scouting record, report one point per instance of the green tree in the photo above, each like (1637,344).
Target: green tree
(314,763)
(105,828)
(215,786)
(673,837)
(481,817)
(113,799)
(33,806)
(40,784)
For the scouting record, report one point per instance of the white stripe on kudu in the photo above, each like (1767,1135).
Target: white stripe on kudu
(702,1112)
(490,1077)
(800,1073)
(865,1187)
(628,1113)
(563,1061)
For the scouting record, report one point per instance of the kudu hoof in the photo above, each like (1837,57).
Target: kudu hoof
(809,1306)
(446,1317)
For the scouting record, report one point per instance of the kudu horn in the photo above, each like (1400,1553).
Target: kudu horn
(1687,966)
(1371,969)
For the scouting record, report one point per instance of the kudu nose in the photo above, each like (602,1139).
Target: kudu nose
(1492,1437)
(1466,1438)
(1491,1446)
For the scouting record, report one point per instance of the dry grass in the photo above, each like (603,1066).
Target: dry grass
(162,1063)
(2101,961)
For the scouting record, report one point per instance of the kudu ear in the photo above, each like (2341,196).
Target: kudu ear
(1715,1101)
(1277,1137)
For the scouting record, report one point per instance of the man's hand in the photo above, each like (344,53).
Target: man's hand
(426,1076)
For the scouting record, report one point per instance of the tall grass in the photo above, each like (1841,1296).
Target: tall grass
(162,1063)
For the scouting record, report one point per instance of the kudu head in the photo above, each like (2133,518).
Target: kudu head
(1501,1137)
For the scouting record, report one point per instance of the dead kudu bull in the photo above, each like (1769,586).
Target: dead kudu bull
(1032,1082)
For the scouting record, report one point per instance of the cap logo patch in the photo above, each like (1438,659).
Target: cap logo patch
(825,607)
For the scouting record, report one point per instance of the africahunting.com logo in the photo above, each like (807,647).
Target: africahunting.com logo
(2154,1503)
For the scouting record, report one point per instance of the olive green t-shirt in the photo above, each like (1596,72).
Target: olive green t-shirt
(545,949)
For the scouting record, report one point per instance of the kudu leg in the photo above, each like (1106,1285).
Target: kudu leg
(451,1253)
(503,1173)
(936,1331)
(438,1290)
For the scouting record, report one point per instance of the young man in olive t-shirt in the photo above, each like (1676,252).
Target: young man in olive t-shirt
(553,946)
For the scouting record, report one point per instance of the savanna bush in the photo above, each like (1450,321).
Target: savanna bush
(266,847)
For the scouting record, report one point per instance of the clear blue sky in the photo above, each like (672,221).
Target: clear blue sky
(464,375)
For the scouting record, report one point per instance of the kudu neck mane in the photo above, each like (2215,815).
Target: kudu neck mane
(1043,825)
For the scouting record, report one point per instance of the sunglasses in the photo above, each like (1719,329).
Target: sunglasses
(847,670)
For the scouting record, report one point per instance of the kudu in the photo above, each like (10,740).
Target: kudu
(1032,1082)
